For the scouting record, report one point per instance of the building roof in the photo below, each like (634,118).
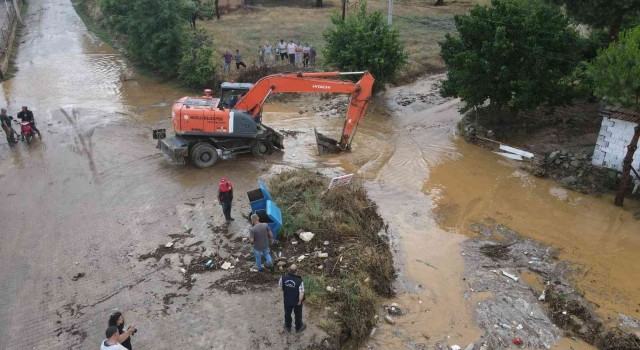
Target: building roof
(620,114)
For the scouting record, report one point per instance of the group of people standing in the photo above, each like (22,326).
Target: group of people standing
(261,237)
(297,55)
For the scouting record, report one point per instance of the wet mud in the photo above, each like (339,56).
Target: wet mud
(95,196)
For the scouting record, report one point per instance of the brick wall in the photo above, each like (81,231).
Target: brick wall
(611,146)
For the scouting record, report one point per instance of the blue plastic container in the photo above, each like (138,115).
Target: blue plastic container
(262,204)
(258,198)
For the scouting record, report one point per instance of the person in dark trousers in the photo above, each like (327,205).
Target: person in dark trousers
(27,116)
(293,293)
(239,61)
(225,197)
(5,121)
(116,319)
(261,237)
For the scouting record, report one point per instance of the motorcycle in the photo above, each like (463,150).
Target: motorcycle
(26,131)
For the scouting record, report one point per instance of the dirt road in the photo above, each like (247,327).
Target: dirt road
(95,195)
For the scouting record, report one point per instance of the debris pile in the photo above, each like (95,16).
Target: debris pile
(520,314)
(574,171)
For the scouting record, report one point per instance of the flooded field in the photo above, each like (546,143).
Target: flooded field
(95,194)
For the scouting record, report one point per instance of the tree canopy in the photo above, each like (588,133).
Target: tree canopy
(602,13)
(158,37)
(515,53)
(364,41)
(615,72)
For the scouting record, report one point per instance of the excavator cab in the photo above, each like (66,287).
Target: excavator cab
(231,93)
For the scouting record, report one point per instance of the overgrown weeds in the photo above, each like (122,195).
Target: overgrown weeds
(359,268)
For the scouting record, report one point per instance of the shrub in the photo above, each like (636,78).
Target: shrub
(364,41)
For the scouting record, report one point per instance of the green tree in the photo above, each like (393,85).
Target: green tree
(198,10)
(153,29)
(515,53)
(196,67)
(157,36)
(616,79)
(364,41)
(610,14)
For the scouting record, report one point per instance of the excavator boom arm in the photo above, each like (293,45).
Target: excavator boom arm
(322,82)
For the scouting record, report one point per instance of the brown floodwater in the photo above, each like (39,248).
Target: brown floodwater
(96,182)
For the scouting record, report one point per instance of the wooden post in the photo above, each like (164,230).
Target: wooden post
(626,168)
(344,9)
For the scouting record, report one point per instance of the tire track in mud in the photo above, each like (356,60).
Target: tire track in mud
(87,147)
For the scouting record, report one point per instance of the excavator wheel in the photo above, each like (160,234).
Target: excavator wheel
(203,155)
(262,148)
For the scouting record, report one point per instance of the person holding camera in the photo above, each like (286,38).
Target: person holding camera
(117,320)
(111,343)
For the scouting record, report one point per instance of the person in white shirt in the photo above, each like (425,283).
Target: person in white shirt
(282,47)
(111,343)
(268,53)
(291,51)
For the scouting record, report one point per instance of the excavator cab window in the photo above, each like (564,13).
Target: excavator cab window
(230,97)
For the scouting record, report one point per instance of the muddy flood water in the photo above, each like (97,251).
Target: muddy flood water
(84,203)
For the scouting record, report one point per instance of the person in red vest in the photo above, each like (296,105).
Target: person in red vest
(225,197)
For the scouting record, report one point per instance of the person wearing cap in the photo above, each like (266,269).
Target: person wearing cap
(293,293)
(225,197)
(111,343)
(27,116)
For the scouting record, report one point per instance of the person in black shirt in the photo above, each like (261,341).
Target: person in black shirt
(117,319)
(6,126)
(27,116)
(293,293)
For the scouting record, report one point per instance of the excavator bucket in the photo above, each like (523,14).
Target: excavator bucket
(326,145)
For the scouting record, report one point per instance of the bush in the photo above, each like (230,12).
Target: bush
(364,41)
(196,67)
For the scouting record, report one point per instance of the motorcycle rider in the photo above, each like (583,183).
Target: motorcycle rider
(6,126)
(27,116)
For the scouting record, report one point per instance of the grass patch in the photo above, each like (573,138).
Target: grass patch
(360,264)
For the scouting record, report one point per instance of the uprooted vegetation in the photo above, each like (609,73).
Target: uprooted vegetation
(359,266)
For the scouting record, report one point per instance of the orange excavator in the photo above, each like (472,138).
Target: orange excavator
(208,129)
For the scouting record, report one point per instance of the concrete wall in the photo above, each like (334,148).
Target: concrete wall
(611,147)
